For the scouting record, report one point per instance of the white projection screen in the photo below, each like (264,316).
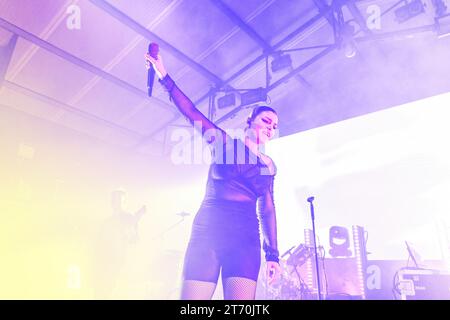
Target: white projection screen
(388,172)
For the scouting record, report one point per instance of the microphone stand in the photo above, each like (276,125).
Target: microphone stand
(311,206)
(162,234)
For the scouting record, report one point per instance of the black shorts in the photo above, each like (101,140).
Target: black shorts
(224,237)
(204,262)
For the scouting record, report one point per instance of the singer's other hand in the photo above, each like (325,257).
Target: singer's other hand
(273,271)
(157,65)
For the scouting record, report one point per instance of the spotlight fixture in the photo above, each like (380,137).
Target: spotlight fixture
(241,97)
(227,100)
(410,10)
(253,96)
(339,242)
(280,62)
(440,7)
(442,25)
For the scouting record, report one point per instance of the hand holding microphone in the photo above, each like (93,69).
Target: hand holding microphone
(154,62)
(152,52)
(273,272)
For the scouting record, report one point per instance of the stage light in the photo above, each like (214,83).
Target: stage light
(440,7)
(242,97)
(227,100)
(253,96)
(410,10)
(280,62)
(443,26)
(339,242)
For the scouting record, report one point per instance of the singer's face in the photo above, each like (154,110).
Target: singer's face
(264,126)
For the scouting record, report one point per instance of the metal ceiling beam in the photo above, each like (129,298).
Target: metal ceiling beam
(399,33)
(278,45)
(388,35)
(322,6)
(132,24)
(285,78)
(75,60)
(61,105)
(242,25)
(6,53)
(267,48)
(21,112)
(291,74)
(356,13)
(303,66)
(250,65)
(69,57)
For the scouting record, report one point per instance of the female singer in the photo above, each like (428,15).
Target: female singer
(239,196)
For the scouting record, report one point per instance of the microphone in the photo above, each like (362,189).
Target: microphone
(153,49)
(183,214)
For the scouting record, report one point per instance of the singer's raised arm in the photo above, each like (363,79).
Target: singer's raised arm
(185,105)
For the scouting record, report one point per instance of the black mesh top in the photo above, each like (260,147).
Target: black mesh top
(236,173)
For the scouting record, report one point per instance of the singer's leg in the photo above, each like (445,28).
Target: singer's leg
(236,288)
(240,272)
(200,272)
(197,290)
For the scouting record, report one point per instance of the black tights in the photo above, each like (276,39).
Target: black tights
(234,288)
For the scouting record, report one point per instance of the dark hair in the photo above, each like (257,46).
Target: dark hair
(258,110)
